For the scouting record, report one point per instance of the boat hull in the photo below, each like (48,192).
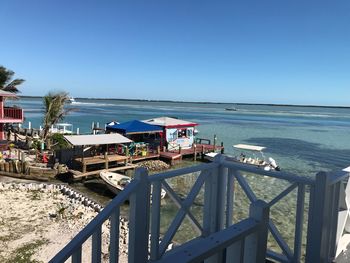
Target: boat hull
(112,181)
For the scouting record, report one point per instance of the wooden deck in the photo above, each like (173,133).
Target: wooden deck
(201,149)
(78,174)
(142,158)
(105,159)
(116,159)
(102,159)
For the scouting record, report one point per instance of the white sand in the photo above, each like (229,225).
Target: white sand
(47,216)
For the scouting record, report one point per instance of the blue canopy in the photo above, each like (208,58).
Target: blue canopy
(132,127)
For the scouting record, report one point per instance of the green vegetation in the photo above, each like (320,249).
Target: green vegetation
(36,144)
(61,210)
(24,253)
(6,82)
(9,237)
(58,142)
(54,110)
(35,195)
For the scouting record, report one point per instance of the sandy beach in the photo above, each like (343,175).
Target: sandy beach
(38,220)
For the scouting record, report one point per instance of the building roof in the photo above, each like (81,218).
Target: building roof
(170,122)
(134,127)
(98,139)
(4,93)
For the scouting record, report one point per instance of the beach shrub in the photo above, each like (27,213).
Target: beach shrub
(36,145)
(58,142)
(24,253)
(61,210)
(36,195)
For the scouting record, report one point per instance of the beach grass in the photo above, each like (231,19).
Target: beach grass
(24,253)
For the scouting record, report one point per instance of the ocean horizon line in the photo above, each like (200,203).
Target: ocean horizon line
(209,102)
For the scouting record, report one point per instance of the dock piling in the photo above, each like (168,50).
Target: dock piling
(195,152)
(106,160)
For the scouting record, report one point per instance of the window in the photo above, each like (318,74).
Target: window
(189,133)
(182,133)
(174,135)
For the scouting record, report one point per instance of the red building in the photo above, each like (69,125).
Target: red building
(8,114)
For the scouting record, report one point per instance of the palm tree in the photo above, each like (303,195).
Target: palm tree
(6,82)
(54,110)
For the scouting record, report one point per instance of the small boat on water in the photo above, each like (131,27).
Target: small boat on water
(117,182)
(267,165)
(71,100)
(231,109)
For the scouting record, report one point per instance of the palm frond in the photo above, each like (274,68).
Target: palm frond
(5,76)
(12,86)
(54,109)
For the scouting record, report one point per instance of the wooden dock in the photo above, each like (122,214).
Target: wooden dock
(117,162)
(105,159)
(142,158)
(78,174)
(200,149)
(120,163)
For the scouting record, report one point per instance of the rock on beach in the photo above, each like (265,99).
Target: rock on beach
(154,165)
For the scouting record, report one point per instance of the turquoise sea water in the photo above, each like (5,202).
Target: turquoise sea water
(304,140)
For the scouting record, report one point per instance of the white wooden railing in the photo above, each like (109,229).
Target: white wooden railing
(219,239)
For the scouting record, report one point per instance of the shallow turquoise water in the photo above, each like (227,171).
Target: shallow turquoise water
(303,140)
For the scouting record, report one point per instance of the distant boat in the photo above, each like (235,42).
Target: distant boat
(231,109)
(71,100)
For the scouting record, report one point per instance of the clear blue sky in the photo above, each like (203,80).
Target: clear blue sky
(264,51)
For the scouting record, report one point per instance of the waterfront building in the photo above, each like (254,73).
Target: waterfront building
(8,114)
(138,131)
(177,133)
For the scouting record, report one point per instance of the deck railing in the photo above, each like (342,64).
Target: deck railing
(13,113)
(219,238)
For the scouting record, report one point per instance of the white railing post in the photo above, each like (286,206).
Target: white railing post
(214,202)
(255,246)
(139,219)
(214,198)
(222,189)
(320,225)
(210,200)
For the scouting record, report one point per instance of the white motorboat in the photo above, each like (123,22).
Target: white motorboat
(117,182)
(267,165)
